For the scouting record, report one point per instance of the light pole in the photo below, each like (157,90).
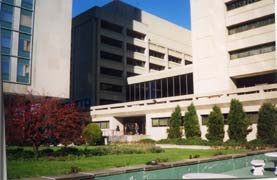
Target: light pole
(3,166)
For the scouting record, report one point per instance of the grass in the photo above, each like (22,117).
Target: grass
(43,167)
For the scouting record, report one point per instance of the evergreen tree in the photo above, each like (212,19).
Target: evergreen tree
(267,120)
(191,124)
(175,123)
(237,122)
(215,125)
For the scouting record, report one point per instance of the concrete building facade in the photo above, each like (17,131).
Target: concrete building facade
(234,56)
(117,41)
(35,46)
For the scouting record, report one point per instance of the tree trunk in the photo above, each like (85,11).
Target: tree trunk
(35,149)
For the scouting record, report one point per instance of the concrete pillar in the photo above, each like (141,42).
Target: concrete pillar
(146,53)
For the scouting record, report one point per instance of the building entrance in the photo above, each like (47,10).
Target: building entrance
(134,125)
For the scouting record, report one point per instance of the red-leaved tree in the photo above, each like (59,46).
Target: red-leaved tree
(39,120)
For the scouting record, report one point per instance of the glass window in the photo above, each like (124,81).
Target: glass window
(23,71)
(142,90)
(6,67)
(190,83)
(177,85)
(184,85)
(6,41)
(158,88)
(110,87)
(6,15)
(28,4)
(164,88)
(103,124)
(160,122)
(170,87)
(24,45)
(26,21)
(147,90)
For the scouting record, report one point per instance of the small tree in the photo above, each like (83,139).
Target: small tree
(175,123)
(191,124)
(267,120)
(215,125)
(39,120)
(92,134)
(237,122)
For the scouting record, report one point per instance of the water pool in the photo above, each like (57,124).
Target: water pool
(236,166)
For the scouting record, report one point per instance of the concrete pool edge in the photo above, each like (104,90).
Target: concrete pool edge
(128,169)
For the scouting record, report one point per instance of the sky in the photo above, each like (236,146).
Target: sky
(175,11)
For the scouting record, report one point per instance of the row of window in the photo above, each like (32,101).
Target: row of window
(103,124)
(270,78)
(164,121)
(108,101)
(239,3)
(111,72)
(156,67)
(167,87)
(263,21)
(110,87)
(135,62)
(119,29)
(251,51)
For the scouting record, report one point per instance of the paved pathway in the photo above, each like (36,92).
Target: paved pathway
(183,146)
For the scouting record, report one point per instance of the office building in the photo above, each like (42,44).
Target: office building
(233,55)
(117,41)
(35,46)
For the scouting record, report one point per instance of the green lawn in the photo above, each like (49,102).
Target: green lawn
(34,168)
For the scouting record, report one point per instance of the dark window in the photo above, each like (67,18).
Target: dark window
(111,27)
(174,59)
(142,90)
(132,92)
(251,51)
(156,67)
(131,74)
(135,34)
(190,83)
(6,15)
(135,48)
(239,3)
(110,56)
(160,122)
(256,80)
(263,21)
(187,62)
(205,119)
(137,92)
(103,124)
(135,62)
(110,72)
(164,88)
(28,4)
(108,101)
(158,88)
(111,42)
(153,89)
(177,85)
(5,67)
(156,54)
(184,85)
(6,41)
(147,90)
(170,87)
(110,87)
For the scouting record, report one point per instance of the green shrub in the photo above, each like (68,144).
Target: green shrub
(147,141)
(215,125)
(46,152)
(64,151)
(92,134)
(19,153)
(192,141)
(167,141)
(191,124)
(174,124)
(237,122)
(267,119)
(74,169)
(156,149)
(232,142)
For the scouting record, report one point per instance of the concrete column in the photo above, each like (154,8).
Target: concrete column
(146,53)
(183,59)
(166,59)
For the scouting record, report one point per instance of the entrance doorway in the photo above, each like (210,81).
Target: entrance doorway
(134,125)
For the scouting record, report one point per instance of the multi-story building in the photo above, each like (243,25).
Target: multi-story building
(118,41)
(234,56)
(35,46)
